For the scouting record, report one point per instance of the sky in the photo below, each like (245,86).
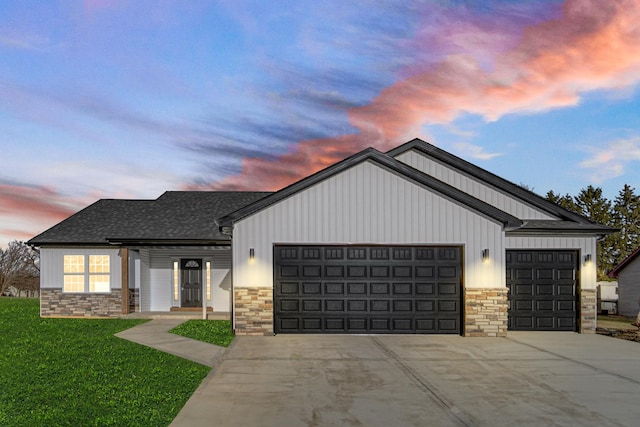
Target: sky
(128,99)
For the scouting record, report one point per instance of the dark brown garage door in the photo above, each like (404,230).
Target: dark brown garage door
(367,289)
(542,290)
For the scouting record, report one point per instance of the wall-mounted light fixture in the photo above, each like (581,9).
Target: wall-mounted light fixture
(587,259)
(485,255)
(252,253)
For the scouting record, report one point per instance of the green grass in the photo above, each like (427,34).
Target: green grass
(71,372)
(216,332)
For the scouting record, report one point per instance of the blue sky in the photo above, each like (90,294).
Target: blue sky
(127,99)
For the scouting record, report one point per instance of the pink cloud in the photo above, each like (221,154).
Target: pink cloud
(592,45)
(25,210)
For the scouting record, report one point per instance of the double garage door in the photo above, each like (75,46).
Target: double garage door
(367,289)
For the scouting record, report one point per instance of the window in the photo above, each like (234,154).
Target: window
(87,273)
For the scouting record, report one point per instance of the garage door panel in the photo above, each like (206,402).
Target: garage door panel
(377,272)
(379,288)
(290,305)
(311,272)
(425,272)
(334,271)
(311,288)
(448,306)
(380,306)
(356,288)
(402,271)
(402,289)
(568,289)
(310,323)
(334,288)
(334,305)
(403,306)
(289,288)
(448,289)
(427,306)
(311,305)
(394,289)
(521,289)
(356,305)
(542,289)
(356,272)
(425,289)
(569,305)
(544,274)
(288,271)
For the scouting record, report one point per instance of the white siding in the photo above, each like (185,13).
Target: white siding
(367,204)
(145,281)
(156,291)
(585,245)
(472,186)
(629,289)
(52,265)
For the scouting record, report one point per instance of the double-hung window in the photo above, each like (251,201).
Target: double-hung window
(87,273)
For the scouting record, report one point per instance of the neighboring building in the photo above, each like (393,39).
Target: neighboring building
(414,240)
(628,274)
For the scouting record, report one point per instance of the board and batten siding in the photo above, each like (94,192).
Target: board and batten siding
(52,265)
(367,204)
(472,186)
(629,289)
(585,245)
(156,288)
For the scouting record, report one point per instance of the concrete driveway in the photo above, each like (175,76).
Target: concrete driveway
(529,378)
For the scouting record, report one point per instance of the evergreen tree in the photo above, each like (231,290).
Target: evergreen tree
(565,201)
(626,217)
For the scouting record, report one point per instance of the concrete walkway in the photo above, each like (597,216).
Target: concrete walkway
(155,334)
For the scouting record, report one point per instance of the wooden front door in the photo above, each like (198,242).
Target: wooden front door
(191,282)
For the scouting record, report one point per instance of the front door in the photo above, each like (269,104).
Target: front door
(191,282)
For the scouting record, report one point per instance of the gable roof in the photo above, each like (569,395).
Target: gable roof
(616,270)
(185,217)
(385,161)
(569,222)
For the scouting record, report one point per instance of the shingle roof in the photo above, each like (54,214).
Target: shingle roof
(176,216)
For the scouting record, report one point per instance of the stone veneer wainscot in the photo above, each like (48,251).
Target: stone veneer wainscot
(485,312)
(587,318)
(55,303)
(253,311)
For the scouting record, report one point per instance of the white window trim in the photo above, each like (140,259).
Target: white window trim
(87,274)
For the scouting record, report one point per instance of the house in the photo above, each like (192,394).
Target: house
(628,274)
(415,240)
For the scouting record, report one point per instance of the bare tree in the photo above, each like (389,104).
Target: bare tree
(20,268)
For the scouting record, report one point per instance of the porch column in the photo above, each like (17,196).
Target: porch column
(124,256)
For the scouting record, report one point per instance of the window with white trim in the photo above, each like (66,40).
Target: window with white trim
(87,273)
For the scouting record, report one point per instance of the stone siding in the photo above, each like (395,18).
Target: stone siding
(485,312)
(253,311)
(587,319)
(55,303)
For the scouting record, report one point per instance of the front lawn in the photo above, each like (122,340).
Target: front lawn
(76,372)
(216,332)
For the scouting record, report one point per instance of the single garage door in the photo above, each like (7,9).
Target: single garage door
(367,289)
(542,290)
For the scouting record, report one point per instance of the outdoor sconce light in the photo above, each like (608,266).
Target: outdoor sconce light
(587,259)
(252,253)
(485,255)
